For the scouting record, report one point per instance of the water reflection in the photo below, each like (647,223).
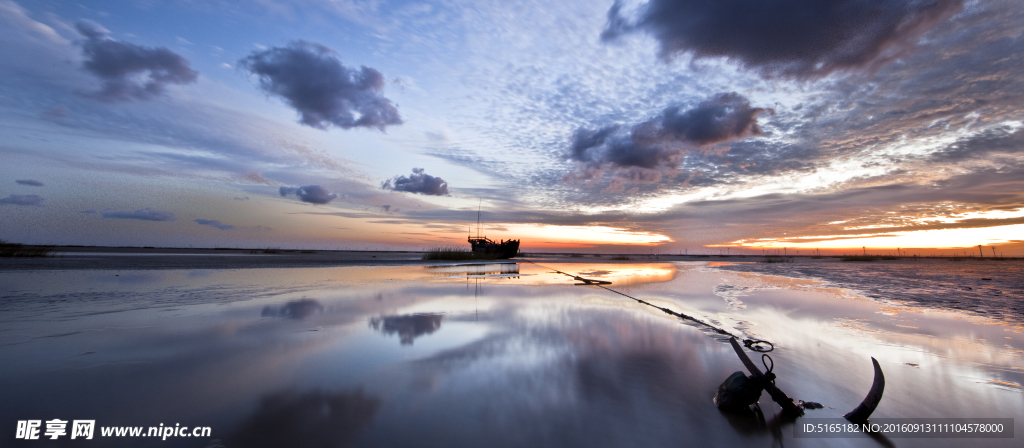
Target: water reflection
(545,364)
(620,274)
(409,326)
(502,270)
(298,309)
(312,419)
(130,277)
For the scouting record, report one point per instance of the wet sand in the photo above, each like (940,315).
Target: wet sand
(480,354)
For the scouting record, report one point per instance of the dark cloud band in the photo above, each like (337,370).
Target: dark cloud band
(796,38)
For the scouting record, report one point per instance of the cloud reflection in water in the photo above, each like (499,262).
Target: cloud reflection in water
(296,309)
(312,419)
(408,326)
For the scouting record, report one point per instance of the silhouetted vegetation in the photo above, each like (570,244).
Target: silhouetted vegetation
(21,250)
(858,258)
(775,259)
(620,257)
(455,254)
(269,250)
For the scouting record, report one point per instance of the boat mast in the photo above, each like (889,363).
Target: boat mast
(478,218)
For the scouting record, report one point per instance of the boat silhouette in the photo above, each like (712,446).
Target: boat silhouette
(484,247)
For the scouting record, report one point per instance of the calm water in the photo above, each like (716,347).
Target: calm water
(494,355)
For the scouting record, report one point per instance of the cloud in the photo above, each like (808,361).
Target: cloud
(128,71)
(998,140)
(418,182)
(14,14)
(296,309)
(257,178)
(34,183)
(241,198)
(663,140)
(314,194)
(23,199)
(312,80)
(790,38)
(407,326)
(144,214)
(213,223)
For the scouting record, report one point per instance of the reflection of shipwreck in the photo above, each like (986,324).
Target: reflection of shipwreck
(483,247)
(488,270)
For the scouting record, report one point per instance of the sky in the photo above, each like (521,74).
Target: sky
(660,126)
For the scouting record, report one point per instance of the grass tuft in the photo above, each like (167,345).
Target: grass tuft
(454,254)
(21,250)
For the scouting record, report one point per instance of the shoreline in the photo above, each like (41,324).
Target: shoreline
(147,258)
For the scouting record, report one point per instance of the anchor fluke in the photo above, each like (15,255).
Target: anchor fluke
(862,412)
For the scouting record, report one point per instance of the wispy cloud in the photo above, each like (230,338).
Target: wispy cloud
(13,13)
(144,214)
(214,223)
(29,200)
(29,182)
